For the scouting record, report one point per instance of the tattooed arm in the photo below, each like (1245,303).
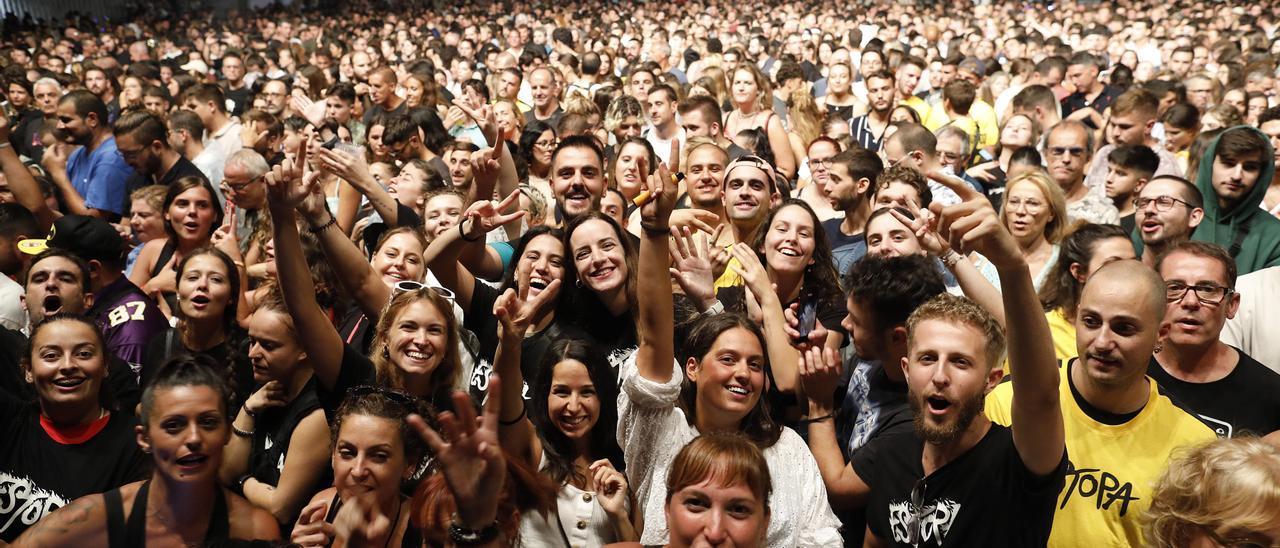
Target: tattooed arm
(81,523)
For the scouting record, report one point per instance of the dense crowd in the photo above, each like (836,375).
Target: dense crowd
(785,273)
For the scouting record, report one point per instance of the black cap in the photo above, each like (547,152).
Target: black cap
(89,238)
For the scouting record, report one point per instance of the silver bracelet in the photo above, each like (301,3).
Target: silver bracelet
(951,259)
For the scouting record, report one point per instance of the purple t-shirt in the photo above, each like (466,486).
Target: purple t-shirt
(128,319)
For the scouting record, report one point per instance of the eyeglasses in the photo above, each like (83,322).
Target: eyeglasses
(915,525)
(1210,294)
(1244,540)
(410,285)
(1030,206)
(546,144)
(824,162)
(129,154)
(1163,203)
(1075,152)
(239,187)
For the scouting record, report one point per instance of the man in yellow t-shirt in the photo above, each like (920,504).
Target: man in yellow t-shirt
(1120,430)
(750,191)
(961,107)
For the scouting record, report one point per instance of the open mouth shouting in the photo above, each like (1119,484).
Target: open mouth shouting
(200,301)
(52,304)
(937,405)
(1150,225)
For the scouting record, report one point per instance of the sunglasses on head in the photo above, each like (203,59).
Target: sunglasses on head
(410,285)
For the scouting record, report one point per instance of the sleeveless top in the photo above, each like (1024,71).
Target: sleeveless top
(764,126)
(273,432)
(166,253)
(843,112)
(133,533)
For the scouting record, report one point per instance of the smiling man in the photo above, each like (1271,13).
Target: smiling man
(1233,178)
(577,176)
(1168,209)
(1228,389)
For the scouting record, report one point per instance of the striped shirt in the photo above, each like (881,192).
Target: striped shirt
(862,133)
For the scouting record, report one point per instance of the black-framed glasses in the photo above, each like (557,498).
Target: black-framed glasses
(239,187)
(1211,294)
(915,527)
(1163,203)
(1245,540)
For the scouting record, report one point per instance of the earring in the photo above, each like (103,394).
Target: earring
(578,282)
(386,354)
(1158,348)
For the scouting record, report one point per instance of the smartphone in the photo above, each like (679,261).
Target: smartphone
(330,143)
(808,318)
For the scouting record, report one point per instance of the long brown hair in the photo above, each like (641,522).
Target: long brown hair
(445,376)
(758,426)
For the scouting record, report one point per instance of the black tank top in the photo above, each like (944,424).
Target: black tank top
(133,533)
(843,112)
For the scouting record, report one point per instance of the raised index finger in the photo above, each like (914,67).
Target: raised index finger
(956,184)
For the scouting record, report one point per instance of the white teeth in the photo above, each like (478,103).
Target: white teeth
(738,390)
(789,252)
(68,382)
(416,355)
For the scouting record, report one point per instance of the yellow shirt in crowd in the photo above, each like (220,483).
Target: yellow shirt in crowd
(1112,468)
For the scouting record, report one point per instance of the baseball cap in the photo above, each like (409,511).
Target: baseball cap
(89,238)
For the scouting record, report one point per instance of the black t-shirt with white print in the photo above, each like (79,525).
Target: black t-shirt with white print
(1247,400)
(986,497)
(40,473)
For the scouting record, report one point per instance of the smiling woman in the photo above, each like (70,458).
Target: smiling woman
(65,429)
(184,428)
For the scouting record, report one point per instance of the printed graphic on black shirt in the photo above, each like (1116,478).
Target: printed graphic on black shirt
(933,519)
(21,501)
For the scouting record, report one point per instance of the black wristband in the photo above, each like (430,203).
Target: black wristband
(463,233)
(318,229)
(241,433)
(653,230)
(523,409)
(238,487)
(819,419)
(463,536)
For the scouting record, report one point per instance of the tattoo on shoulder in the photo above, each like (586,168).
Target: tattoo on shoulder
(63,521)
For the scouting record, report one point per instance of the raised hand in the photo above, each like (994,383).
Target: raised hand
(820,372)
(285,185)
(655,214)
(923,227)
(695,219)
(485,167)
(351,168)
(487,215)
(311,530)
(515,314)
(972,225)
(361,523)
(753,272)
(691,266)
(985,171)
(484,118)
(610,487)
(471,461)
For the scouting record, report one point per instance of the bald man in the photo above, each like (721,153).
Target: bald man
(1120,429)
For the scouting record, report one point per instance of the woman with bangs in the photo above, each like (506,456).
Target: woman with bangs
(209,299)
(191,213)
(716,386)
(415,341)
(722,476)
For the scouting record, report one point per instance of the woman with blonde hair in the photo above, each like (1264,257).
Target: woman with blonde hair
(806,121)
(1223,493)
(750,93)
(1035,212)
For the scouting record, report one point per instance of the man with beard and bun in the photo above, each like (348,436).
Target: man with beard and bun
(1169,208)
(1228,389)
(577,176)
(850,181)
(868,130)
(94,178)
(1120,428)
(957,478)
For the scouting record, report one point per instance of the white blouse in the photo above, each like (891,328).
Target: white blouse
(651,430)
(582,521)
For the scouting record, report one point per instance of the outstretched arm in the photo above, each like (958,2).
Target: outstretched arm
(820,373)
(656,322)
(349,265)
(21,183)
(514,316)
(972,225)
(285,190)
